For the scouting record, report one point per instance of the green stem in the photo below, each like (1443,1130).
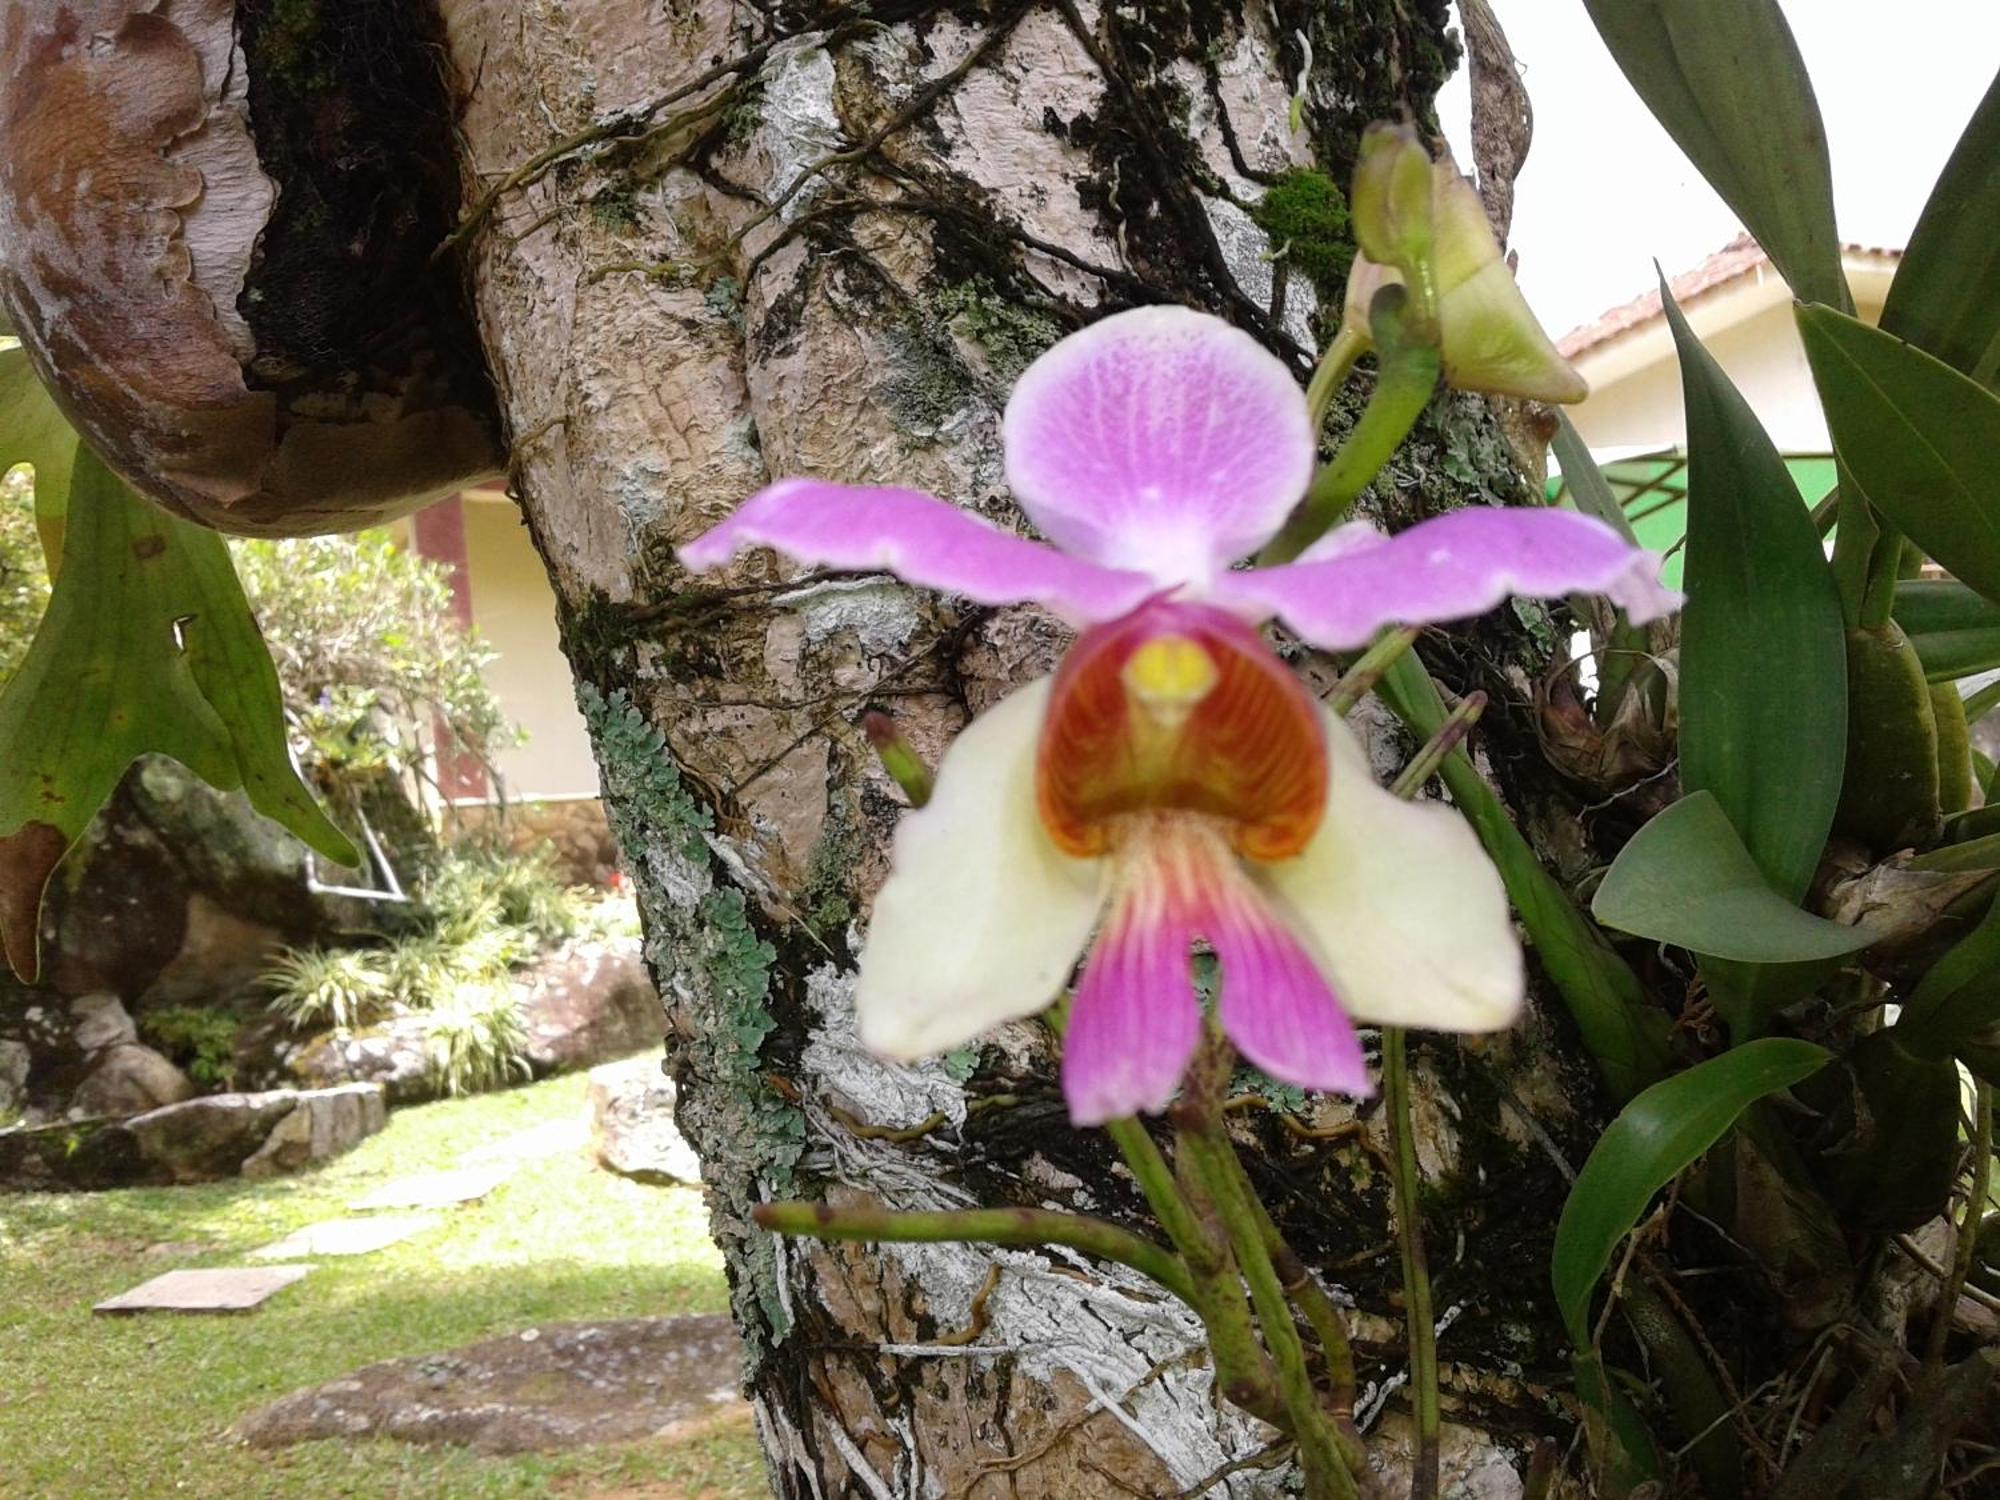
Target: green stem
(1321,1315)
(989,1226)
(1416,1269)
(1885,567)
(1334,367)
(1447,738)
(1359,680)
(1243,1371)
(1853,545)
(1204,1145)
(1967,1249)
(1403,387)
(1627,1037)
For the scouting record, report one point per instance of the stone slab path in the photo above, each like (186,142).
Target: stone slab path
(235,1289)
(347,1236)
(436,1189)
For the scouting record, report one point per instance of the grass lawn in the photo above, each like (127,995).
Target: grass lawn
(136,1407)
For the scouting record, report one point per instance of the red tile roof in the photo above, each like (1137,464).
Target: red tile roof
(1741,257)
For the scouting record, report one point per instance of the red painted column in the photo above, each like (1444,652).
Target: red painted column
(438,534)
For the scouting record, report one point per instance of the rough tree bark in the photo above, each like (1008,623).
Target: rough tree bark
(713,243)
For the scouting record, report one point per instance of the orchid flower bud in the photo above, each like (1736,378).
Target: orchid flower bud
(1488,339)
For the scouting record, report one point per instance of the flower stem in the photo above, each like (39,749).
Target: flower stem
(1967,1249)
(1243,1372)
(1334,367)
(1321,1315)
(1403,387)
(1416,1270)
(1447,738)
(1359,680)
(1205,1146)
(990,1226)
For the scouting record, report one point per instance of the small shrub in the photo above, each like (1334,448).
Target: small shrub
(475,889)
(202,1043)
(341,987)
(477,1039)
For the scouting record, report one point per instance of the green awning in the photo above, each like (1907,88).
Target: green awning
(1652,490)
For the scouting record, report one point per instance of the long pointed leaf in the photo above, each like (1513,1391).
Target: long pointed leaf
(1946,295)
(1918,436)
(1726,80)
(1763,686)
(1652,1141)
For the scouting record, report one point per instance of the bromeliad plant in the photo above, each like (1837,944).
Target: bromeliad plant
(1175,787)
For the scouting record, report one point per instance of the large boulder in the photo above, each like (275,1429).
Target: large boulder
(632,1129)
(394,1054)
(571,1385)
(128,1079)
(201,1140)
(589,1002)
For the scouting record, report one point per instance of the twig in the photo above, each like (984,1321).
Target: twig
(1910,1248)
(919,105)
(1416,1272)
(624,125)
(1027,1227)
(1965,1251)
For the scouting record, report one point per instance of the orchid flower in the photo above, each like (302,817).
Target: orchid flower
(1173,782)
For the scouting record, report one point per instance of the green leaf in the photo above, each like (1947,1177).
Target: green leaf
(1960,994)
(1586,482)
(33,431)
(1653,1139)
(1763,684)
(1686,879)
(1955,630)
(1946,295)
(1627,1036)
(1726,80)
(1918,437)
(108,679)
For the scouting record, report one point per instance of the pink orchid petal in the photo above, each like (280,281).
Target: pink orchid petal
(921,540)
(1161,439)
(1134,1023)
(1450,568)
(1277,1006)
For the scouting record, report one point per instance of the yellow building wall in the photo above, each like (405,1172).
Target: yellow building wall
(1635,380)
(514,609)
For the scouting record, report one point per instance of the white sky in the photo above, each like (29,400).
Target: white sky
(1604,190)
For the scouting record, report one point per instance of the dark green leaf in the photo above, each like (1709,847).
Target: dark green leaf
(1956,631)
(1918,437)
(1653,1139)
(1946,295)
(1726,80)
(1763,687)
(1959,996)
(1627,1036)
(1685,878)
(1586,482)
(107,680)
(1895,1128)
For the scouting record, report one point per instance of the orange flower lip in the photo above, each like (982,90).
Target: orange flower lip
(1180,707)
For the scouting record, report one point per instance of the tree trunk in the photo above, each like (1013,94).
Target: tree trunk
(714,243)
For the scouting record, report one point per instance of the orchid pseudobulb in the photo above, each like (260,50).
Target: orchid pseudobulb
(1173,783)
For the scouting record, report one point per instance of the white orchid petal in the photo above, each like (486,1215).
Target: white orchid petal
(1401,906)
(982,918)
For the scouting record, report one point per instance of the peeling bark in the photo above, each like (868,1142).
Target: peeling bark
(733,241)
